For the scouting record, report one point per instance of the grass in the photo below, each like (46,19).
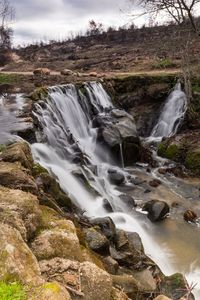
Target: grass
(12,291)
(8,78)
(164,64)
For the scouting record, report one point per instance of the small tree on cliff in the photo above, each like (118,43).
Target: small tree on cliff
(94,28)
(6,16)
(178,10)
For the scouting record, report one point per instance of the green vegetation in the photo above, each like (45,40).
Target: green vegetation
(39,94)
(2,147)
(12,291)
(38,169)
(8,78)
(164,64)
(192,161)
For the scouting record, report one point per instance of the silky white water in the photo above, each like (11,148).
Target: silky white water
(66,120)
(172,114)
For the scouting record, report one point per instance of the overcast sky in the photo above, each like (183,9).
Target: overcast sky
(46,19)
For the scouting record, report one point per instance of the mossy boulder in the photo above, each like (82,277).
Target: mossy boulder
(59,241)
(175,287)
(20,210)
(50,291)
(18,152)
(88,281)
(17,262)
(38,94)
(13,175)
(183,149)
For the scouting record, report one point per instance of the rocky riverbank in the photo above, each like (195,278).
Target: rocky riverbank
(55,253)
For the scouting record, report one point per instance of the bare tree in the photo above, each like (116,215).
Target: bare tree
(6,16)
(178,10)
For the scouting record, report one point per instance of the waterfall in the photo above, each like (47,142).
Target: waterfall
(172,114)
(69,146)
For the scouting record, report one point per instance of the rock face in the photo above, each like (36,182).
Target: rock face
(20,210)
(86,280)
(16,259)
(157,210)
(184,149)
(118,131)
(60,241)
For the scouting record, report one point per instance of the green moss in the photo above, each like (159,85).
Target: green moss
(196,88)
(12,291)
(162,149)
(52,286)
(38,169)
(8,78)
(2,147)
(192,161)
(172,152)
(39,94)
(163,64)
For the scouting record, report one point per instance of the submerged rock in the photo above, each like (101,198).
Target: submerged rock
(128,200)
(157,210)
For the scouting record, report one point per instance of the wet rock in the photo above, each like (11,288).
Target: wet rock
(107,205)
(50,291)
(18,152)
(96,240)
(190,216)
(60,241)
(16,260)
(111,265)
(175,287)
(137,181)
(126,283)
(128,200)
(14,176)
(155,183)
(106,225)
(157,210)
(145,281)
(162,171)
(21,211)
(116,177)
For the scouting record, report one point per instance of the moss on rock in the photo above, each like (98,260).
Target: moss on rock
(40,93)
(192,161)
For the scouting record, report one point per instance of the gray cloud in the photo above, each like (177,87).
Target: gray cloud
(36,19)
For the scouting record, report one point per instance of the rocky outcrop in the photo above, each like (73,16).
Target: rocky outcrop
(157,210)
(183,149)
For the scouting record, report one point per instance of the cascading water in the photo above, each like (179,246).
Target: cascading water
(70,144)
(172,114)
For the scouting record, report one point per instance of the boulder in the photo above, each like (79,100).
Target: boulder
(115,177)
(107,206)
(128,200)
(21,211)
(67,72)
(14,176)
(95,283)
(154,183)
(18,152)
(106,225)
(41,71)
(93,74)
(157,210)
(127,284)
(59,241)
(16,259)
(50,291)
(175,287)
(96,240)
(83,280)
(111,265)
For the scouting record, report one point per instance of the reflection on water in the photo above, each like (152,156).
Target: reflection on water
(10,107)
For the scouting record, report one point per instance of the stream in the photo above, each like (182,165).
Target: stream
(68,134)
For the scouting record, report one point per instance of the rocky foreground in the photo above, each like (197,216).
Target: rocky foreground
(54,253)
